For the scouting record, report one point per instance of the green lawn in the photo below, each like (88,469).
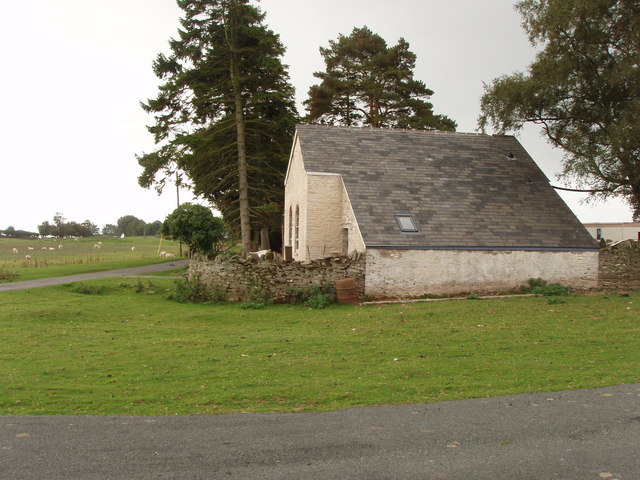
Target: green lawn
(77,256)
(130,351)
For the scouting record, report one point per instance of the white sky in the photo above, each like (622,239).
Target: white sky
(74,72)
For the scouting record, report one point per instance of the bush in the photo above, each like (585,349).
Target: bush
(193,292)
(538,286)
(7,275)
(319,297)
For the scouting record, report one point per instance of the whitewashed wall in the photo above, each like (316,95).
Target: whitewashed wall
(412,273)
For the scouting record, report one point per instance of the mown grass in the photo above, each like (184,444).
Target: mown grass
(121,348)
(76,256)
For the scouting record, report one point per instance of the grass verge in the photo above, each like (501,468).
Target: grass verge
(118,347)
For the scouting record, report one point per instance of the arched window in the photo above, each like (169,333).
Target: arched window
(290,237)
(297,239)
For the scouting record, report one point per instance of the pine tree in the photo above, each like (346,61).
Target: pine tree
(369,83)
(224,114)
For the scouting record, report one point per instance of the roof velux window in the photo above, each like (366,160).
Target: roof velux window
(406,222)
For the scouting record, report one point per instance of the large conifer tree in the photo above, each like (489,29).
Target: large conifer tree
(367,83)
(225,113)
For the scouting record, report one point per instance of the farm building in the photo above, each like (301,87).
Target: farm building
(435,212)
(614,232)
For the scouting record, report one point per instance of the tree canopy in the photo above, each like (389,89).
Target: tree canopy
(368,83)
(196,226)
(61,227)
(224,114)
(583,89)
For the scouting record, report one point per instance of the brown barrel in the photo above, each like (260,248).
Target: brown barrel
(347,291)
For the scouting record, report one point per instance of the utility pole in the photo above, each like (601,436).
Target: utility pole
(178,200)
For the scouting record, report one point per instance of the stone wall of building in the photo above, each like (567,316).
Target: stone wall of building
(619,266)
(275,280)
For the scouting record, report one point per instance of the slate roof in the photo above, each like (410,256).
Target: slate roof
(463,190)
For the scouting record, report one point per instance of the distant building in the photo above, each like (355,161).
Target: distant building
(614,231)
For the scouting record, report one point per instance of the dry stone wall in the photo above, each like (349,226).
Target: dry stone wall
(619,266)
(275,280)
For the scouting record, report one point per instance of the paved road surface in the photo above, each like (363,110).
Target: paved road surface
(123,272)
(582,435)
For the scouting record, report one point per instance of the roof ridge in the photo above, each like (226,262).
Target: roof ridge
(390,129)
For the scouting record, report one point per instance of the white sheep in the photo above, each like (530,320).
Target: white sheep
(59,247)
(15,250)
(51,248)
(163,253)
(43,248)
(96,246)
(133,249)
(27,257)
(29,248)
(169,255)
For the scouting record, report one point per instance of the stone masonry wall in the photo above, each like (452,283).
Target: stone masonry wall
(619,266)
(277,280)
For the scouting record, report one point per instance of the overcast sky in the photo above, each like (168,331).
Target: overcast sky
(74,72)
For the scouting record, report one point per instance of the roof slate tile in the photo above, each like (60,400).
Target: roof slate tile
(463,190)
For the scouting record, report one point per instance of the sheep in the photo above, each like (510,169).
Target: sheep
(96,246)
(27,257)
(59,247)
(43,248)
(169,255)
(15,250)
(133,249)
(51,248)
(163,253)
(29,248)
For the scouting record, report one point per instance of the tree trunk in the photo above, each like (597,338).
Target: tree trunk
(264,239)
(243,185)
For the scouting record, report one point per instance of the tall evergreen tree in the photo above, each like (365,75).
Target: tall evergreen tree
(369,83)
(225,114)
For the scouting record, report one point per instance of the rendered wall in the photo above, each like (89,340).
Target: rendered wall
(615,231)
(413,273)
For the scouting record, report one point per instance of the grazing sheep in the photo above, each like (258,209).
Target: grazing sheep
(27,257)
(133,249)
(163,253)
(59,247)
(51,248)
(43,248)
(29,248)
(96,246)
(15,250)
(169,255)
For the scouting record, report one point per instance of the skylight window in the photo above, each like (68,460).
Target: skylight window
(406,222)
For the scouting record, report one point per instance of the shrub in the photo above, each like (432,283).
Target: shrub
(538,286)
(193,292)
(319,297)
(7,275)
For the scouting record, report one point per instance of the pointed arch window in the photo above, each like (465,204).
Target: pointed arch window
(297,231)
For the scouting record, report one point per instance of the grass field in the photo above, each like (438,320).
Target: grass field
(127,350)
(76,256)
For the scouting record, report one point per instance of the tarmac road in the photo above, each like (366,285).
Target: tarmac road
(123,272)
(573,435)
